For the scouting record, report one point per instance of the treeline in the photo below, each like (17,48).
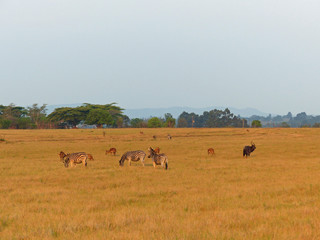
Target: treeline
(107,116)
(286,121)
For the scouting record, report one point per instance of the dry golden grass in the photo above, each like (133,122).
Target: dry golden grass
(274,194)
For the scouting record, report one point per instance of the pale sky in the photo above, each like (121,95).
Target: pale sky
(263,54)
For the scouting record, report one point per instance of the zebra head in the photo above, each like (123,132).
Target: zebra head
(121,161)
(151,152)
(62,155)
(66,161)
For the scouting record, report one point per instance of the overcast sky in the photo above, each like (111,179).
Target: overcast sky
(263,54)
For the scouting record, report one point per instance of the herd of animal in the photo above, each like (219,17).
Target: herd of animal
(71,159)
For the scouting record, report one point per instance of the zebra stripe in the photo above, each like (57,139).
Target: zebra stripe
(132,156)
(158,158)
(75,158)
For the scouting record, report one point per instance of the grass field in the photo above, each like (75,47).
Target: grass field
(274,194)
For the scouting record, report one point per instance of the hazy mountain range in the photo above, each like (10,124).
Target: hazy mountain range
(175,111)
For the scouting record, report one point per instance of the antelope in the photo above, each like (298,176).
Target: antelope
(90,157)
(249,149)
(211,151)
(112,151)
(157,150)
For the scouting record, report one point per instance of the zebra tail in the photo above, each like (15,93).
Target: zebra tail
(166,163)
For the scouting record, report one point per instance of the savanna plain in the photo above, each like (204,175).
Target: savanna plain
(273,194)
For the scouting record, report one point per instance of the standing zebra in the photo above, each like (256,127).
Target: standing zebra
(73,158)
(158,158)
(132,156)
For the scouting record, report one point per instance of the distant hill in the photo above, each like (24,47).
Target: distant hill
(175,111)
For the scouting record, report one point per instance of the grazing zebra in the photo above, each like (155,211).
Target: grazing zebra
(248,149)
(75,158)
(157,150)
(112,151)
(132,156)
(90,157)
(158,159)
(211,151)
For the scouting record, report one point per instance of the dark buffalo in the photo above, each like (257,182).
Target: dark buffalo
(248,149)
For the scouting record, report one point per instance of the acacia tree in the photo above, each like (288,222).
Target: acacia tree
(12,114)
(99,117)
(90,113)
(66,116)
(37,114)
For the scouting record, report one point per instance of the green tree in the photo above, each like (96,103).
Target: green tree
(284,125)
(316,125)
(169,120)
(13,113)
(5,123)
(182,122)
(67,115)
(99,117)
(137,123)
(256,124)
(37,114)
(154,123)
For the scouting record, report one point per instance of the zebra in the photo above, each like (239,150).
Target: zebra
(158,159)
(74,158)
(132,156)
(210,151)
(111,151)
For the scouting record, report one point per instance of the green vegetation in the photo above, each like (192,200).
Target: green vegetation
(256,124)
(213,119)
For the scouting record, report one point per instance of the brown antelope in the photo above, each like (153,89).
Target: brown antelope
(154,137)
(158,159)
(211,151)
(169,137)
(141,133)
(90,157)
(157,150)
(112,151)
